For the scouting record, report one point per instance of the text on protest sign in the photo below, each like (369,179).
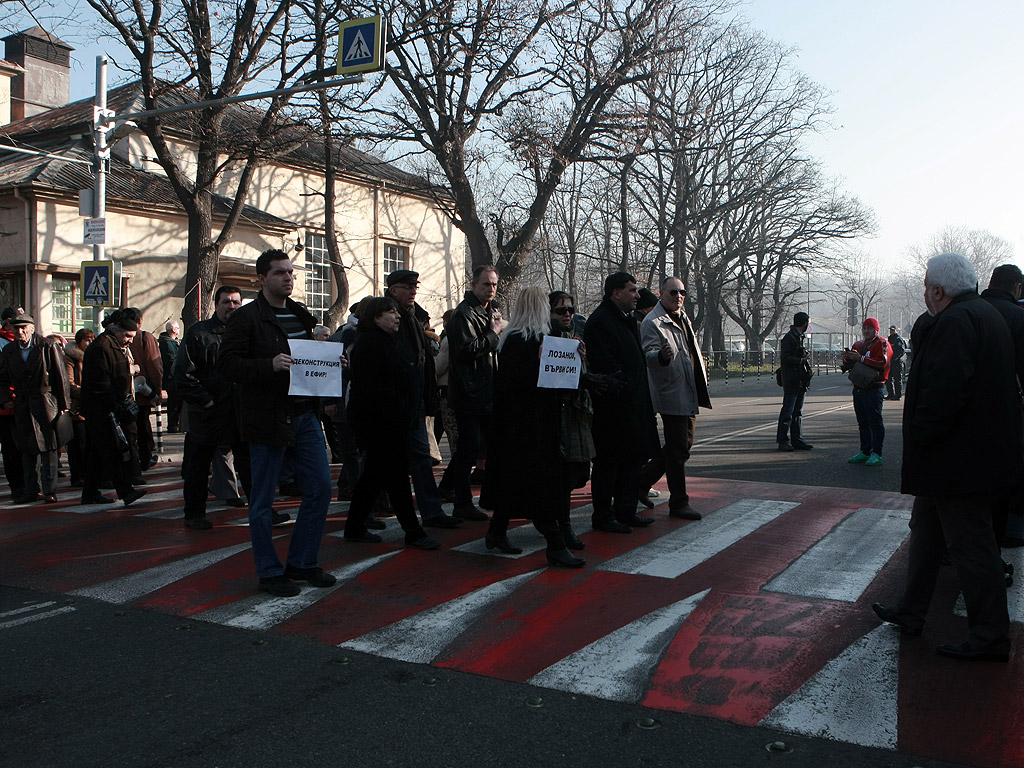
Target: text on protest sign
(315,369)
(560,363)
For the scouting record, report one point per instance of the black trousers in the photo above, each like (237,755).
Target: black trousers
(103,458)
(76,452)
(963,525)
(14,466)
(384,469)
(672,461)
(147,446)
(613,484)
(197,461)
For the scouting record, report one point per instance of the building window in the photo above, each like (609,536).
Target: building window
(69,315)
(318,275)
(395,257)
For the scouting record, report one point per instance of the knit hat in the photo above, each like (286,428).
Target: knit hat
(870,322)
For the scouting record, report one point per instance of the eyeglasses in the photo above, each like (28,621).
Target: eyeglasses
(676,292)
(564,310)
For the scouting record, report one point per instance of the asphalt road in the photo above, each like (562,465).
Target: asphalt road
(90,683)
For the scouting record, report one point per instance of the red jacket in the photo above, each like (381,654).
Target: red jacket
(877,353)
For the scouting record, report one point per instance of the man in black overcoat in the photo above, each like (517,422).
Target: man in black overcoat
(624,427)
(961,448)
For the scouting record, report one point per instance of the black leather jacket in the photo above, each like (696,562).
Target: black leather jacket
(473,350)
(201,384)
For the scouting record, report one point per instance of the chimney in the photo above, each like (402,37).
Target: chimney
(46,78)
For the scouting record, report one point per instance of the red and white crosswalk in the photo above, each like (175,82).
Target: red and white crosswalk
(758,614)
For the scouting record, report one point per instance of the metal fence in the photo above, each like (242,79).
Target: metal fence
(737,363)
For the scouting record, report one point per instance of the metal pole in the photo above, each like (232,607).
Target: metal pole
(99,189)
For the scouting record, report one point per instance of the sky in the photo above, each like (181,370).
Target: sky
(927,123)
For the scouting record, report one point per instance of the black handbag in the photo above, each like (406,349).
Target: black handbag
(128,410)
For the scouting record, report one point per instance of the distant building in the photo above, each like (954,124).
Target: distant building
(386,218)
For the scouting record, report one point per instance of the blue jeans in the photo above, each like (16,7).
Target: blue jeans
(308,456)
(791,416)
(867,404)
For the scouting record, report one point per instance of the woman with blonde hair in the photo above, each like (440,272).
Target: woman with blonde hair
(525,455)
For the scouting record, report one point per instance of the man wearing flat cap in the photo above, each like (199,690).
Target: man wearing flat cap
(402,285)
(34,367)
(13,464)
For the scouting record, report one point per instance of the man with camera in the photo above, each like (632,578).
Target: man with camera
(871,356)
(795,370)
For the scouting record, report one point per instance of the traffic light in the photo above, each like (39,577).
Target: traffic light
(851,303)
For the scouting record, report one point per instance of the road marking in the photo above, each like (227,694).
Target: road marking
(526,536)
(88,509)
(765,426)
(852,699)
(36,617)
(846,560)
(262,612)
(423,637)
(28,608)
(135,585)
(674,554)
(619,665)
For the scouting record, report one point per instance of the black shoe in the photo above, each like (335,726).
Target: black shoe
(364,538)
(565,559)
(50,498)
(469,512)
(572,541)
(236,503)
(502,544)
(140,480)
(279,586)
(423,542)
(802,446)
(890,616)
(97,499)
(290,489)
(198,523)
(315,577)
(612,526)
(27,498)
(685,513)
(967,652)
(638,522)
(645,500)
(374,524)
(442,521)
(786,447)
(133,495)
(276,518)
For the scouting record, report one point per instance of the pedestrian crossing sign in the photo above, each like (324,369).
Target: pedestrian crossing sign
(361,45)
(100,281)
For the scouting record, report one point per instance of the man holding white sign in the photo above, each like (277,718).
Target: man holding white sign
(257,358)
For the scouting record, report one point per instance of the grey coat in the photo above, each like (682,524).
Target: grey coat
(679,388)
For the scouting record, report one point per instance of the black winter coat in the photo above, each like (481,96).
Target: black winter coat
(253,338)
(383,390)
(961,416)
(1013,314)
(473,357)
(40,392)
(624,423)
(417,347)
(106,378)
(796,369)
(201,384)
(524,456)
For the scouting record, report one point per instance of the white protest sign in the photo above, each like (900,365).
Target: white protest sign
(560,363)
(315,369)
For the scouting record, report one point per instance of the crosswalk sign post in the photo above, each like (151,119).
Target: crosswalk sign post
(100,282)
(361,45)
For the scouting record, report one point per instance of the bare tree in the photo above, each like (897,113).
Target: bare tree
(214,50)
(985,250)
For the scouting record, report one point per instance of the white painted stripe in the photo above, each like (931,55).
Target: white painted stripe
(135,585)
(36,617)
(853,699)
(764,427)
(421,638)
(619,665)
(28,608)
(687,547)
(264,612)
(526,536)
(88,509)
(843,563)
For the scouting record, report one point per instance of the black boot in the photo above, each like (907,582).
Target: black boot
(572,541)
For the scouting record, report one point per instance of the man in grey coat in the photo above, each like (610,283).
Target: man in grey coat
(678,381)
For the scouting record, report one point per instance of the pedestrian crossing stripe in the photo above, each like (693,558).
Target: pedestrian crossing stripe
(361,45)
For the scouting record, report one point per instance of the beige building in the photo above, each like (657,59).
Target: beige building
(386,219)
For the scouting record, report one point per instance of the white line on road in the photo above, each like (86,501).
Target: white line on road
(262,612)
(689,546)
(619,665)
(842,564)
(36,617)
(423,637)
(28,608)
(135,585)
(764,427)
(853,699)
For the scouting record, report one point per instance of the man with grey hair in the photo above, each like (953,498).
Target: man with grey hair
(961,448)
(170,342)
